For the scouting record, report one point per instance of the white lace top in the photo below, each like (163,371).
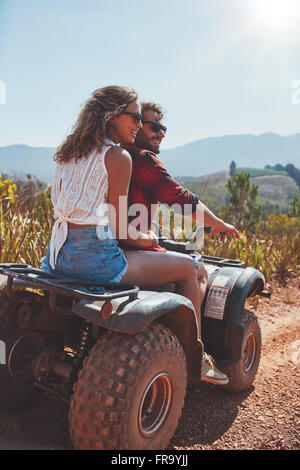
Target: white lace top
(79,195)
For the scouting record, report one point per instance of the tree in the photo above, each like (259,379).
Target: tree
(242,208)
(290,169)
(279,167)
(293,173)
(232,169)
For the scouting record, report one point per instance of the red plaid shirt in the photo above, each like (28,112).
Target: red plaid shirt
(151,183)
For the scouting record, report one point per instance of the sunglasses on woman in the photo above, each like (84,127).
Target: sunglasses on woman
(137,117)
(156,126)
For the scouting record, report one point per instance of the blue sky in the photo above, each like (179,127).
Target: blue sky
(217,66)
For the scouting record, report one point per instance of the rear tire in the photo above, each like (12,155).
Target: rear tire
(242,374)
(16,378)
(130,392)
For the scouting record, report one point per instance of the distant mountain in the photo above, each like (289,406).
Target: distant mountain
(202,157)
(22,159)
(215,154)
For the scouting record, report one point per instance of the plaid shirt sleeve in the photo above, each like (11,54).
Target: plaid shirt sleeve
(150,174)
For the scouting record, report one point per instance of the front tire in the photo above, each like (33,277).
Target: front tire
(130,392)
(242,374)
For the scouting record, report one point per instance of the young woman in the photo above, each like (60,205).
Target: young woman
(90,186)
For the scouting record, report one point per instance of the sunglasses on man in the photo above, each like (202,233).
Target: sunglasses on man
(156,126)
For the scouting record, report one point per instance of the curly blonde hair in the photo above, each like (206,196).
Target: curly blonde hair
(91,128)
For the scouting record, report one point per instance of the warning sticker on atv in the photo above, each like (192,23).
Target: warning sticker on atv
(215,303)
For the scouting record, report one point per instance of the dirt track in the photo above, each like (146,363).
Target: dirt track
(265,417)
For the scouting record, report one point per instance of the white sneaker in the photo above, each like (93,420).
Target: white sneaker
(210,373)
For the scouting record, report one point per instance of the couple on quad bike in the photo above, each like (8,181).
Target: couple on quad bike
(111,158)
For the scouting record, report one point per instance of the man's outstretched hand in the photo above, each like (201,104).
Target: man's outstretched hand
(225,230)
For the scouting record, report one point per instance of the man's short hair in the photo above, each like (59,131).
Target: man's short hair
(150,106)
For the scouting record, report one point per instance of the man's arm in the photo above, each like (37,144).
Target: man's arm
(151,174)
(204,216)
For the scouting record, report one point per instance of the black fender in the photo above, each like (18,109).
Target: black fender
(223,330)
(133,316)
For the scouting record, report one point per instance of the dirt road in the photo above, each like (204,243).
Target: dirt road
(265,417)
(268,415)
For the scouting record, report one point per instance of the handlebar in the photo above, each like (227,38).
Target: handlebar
(181,247)
(189,249)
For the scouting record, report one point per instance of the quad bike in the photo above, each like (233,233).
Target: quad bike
(123,356)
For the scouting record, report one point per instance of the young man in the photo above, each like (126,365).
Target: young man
(151,183)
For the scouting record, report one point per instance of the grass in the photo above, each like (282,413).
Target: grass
(25,233)
(274,250)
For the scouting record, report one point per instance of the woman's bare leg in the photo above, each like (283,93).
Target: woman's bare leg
(202,276)
(150,269)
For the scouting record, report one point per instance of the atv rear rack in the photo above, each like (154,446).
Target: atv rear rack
(28,276)
(222,261)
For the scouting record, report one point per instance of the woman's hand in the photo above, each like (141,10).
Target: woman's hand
(153,238)
(142,240)
(224,229)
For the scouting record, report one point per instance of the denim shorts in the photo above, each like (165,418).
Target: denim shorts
(90,254)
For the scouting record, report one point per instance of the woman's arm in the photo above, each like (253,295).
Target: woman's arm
(118,163)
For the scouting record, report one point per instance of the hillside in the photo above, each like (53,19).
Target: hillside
(210,188)
(276,190)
